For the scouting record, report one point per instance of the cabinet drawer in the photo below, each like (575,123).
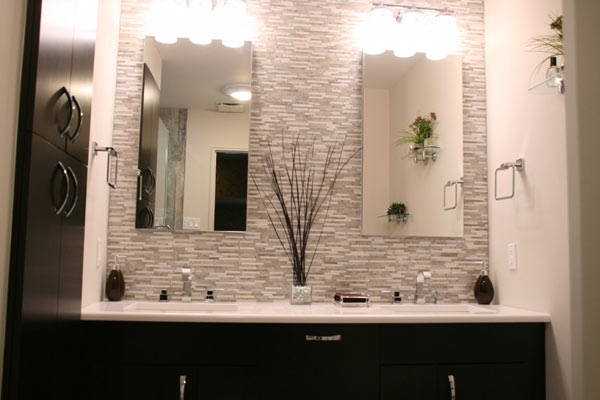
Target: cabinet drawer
(317,344)
(460,343)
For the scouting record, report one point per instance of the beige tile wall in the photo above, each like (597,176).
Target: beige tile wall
(307,71)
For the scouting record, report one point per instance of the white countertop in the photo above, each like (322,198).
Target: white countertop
(284,312)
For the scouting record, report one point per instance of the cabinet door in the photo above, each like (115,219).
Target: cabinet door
(228,383)
(52,108)
(72,235)
(147,382)
(38,276)
(408,382)
(84,40)
(485,382)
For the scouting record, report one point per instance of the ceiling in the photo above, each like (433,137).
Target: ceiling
(384,70)
(193,75)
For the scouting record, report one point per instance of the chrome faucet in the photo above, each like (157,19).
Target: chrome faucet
(424,282)
(186,277)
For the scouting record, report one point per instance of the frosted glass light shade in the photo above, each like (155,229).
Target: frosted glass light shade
(379,30)
(200,22)
(165,21)
(234,29)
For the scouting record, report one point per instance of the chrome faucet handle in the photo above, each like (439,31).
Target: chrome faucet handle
(186,274)
(186,278)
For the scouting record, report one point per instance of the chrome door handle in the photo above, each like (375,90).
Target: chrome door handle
(64,130)
(140,183)
(76,199)
(452,387)
(79,120)
(316,338)
(66,175)
(182,382)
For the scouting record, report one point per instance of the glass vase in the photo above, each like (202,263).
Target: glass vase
(301,295)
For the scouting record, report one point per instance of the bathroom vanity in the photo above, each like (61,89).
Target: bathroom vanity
(276,351)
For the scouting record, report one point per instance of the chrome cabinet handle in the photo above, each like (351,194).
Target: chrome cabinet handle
(452,387)
(182,382)
(64,130)
(316,338)
(79,120)
(76,199)
(66,175)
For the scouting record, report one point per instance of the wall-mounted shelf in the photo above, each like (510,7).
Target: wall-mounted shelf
(397,218)
(551,85)
(423,154)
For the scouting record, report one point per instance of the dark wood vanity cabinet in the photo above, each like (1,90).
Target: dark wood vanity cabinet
(127,360)
(44,289)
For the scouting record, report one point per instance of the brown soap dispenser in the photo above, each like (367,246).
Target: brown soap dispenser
(484,290)
(115,283)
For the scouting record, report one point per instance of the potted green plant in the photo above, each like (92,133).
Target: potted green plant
(419,131)
(396,208)
(552,44)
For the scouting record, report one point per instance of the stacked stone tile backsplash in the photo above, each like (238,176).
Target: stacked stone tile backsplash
(307,73)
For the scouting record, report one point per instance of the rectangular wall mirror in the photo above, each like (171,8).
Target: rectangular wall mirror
(194,134)
(422,177)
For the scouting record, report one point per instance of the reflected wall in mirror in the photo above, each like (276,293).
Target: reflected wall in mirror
(395,92)
(194,135)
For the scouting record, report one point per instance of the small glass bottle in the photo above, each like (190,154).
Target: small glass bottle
(552,71)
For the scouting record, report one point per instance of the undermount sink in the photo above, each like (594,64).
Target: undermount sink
(437,308)
(177,306)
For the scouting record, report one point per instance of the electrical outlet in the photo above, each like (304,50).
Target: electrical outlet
(512,256)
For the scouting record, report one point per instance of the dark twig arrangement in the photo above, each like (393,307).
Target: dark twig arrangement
(302,189)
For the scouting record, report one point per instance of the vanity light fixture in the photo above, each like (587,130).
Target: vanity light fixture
(172,19)
(239,91)
(414,29)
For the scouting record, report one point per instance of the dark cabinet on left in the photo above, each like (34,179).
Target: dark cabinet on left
(44,298)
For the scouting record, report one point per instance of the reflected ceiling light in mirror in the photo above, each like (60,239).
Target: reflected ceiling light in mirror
(379,29)
(234,26)
(200,21)
(239,91)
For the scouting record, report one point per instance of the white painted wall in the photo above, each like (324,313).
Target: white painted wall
(103,100)
(153,59)
(206,130)
(12,28)
(531,126)
(376,161)
(583,141)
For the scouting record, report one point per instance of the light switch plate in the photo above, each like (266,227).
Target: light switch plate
(512,256)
